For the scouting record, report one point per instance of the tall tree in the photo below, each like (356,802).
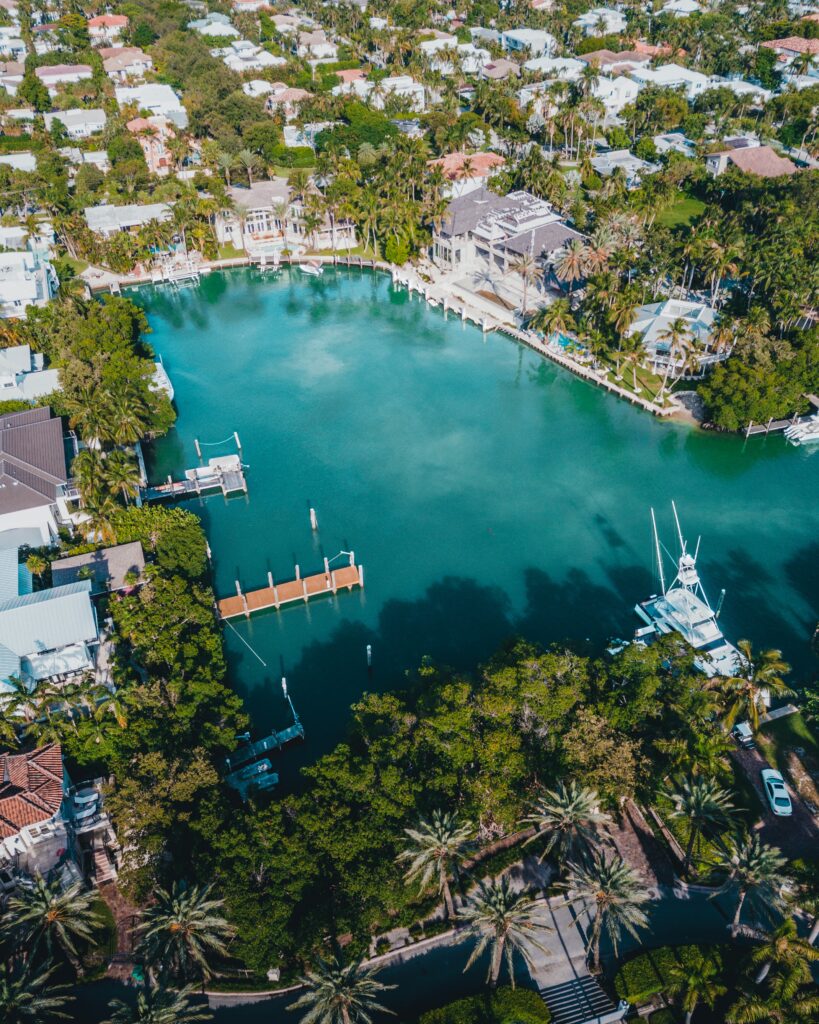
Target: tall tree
(570,819)
(757,679)
(27,998)
(703,803)
(696,982)
(503,922)
(434,849)
(339,994)
(157,1005)
(755,876)
(51,919)
(184,929)
(612,896)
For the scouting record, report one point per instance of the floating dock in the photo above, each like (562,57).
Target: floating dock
(225,474)
(302,588)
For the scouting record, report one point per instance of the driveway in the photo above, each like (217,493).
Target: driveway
(796,836)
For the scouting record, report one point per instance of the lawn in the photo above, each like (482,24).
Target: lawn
(785,734)
(686,209)
(230,252)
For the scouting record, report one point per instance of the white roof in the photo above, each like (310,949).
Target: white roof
(107,218)
(76,117)
(48,620)
(20,161)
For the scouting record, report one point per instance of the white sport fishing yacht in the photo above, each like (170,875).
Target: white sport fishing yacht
(806,432)
(683,607)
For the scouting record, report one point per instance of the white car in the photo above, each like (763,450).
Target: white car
(776,792)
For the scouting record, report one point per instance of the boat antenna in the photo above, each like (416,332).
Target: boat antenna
(659,553)
(679,528)
(697,548)
(719,603)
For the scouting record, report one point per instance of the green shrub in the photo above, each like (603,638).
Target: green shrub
(650,973)
(396,251)
(664,1016)
(506,1006)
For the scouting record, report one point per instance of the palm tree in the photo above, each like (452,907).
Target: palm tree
(435,847)
(757,680)
(570,818)
(121,474)
(503,922)
(26,998)
(183,929)
(785,950)
(99,521)
(338,994)
(696,982)
(556,317)
(704,804)
(156,1005)
(754,876)
(527,267)
(249,161)
(87,470)
(572,264)
(677,336)
(37,565)
(46,915)
(613,893)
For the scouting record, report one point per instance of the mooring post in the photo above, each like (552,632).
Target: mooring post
(326,567)
(333,583)
(270,580)
(304,590)
(352,558)
(196,446)
(361,576)
(313,519)
(238,442)
(298,573)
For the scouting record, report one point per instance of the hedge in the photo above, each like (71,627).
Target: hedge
(650,973)
(505,1006)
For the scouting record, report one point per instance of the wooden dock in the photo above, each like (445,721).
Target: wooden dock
(772,426)
(302,588)
(224,474)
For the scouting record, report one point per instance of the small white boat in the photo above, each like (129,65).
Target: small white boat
(806,432)
(313,269)
(160,380)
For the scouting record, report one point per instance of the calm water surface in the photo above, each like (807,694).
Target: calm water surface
(486,491)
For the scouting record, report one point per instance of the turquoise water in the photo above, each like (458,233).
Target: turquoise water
(486,491)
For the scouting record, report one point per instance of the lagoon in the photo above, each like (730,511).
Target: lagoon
(486,492)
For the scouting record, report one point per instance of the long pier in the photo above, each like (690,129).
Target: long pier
(302,588)
(772,426)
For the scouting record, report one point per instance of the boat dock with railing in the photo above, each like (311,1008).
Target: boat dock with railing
(302,588)
(224,473)
(249,768)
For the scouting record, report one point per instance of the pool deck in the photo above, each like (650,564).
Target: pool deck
(302,588)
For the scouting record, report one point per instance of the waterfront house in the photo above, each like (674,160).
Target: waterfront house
(376,93)
(107,220)
(615,92)
(34,489)
(609,62)
(466,172)
(257,222)
(47,634)
(652,323)
(108,569)
(763,161)
(601,21)
(55,75)
(48,826)
(125,63)
(153,98)
(22,377)
(78,122)
(485,232)
(565,69)
(107,29)
(26,279)
(500,69)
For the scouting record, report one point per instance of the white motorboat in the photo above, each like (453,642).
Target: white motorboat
(806,432)
(683,608)
(313,268)
(160,380)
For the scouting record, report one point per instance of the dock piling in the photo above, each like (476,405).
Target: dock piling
(361,576)
(313,519)
(236,438)
(196,446)
(270,580)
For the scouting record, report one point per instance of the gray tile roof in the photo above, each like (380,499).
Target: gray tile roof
(466,212)
(32,459)
(108,566)
(542,240)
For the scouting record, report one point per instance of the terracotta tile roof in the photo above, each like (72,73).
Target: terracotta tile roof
(795,44)
(108,21)
(762,160)
(351,75)
(482,164)
(31,788)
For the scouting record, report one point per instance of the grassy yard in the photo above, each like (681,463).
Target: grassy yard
(230,252)
(785,734)
(686,209)
(648,382)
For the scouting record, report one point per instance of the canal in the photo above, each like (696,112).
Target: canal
(485,491)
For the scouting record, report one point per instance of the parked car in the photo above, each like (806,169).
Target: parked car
(744,735)
(776,792)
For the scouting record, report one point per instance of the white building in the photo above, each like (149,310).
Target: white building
(11,75)
(565,69)
(672,76)
(109,220)
(470,59)
(22,376)
(531,40)
(26,279)
(615,93)
(257,87)
(601,21)
(155,98)
(107,28)
(25,162)
(403,86)
(250,6)
(315,46)
(632,167)
(125,63)
(242,56)
(217,26)
(756,94)
(681,8)
(78,122)
(56,75)
(674,142)
(653,323)
(12,47)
